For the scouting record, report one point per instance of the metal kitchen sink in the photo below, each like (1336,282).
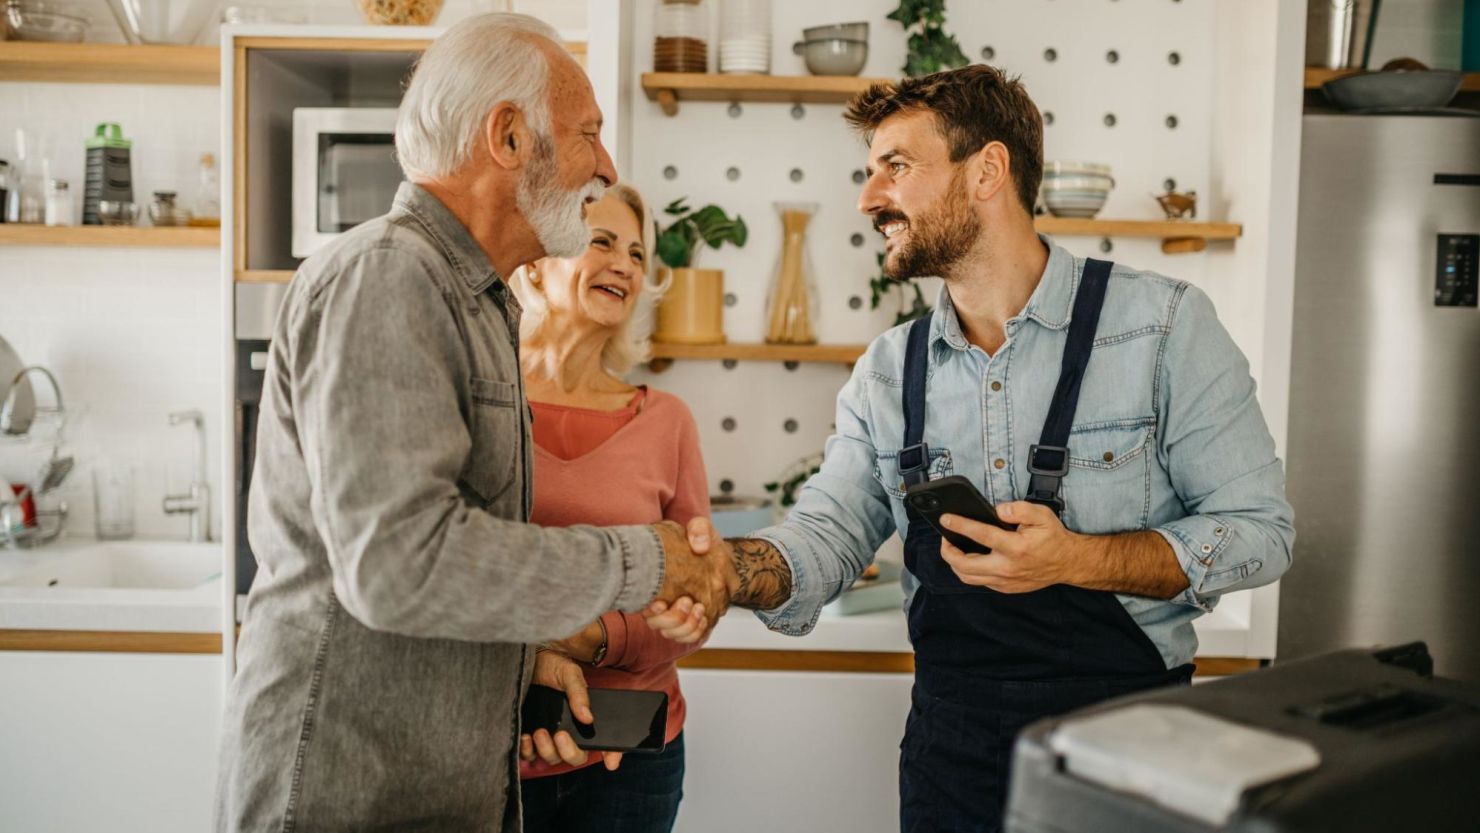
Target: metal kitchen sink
(131,565)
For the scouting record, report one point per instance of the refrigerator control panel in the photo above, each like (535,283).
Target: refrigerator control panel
(1456,282)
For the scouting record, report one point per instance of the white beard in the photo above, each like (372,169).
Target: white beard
(554,214)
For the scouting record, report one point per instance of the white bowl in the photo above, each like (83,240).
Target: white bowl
(1075,169)
(1079,183)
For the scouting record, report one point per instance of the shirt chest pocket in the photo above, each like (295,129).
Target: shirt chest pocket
(1107,488)
(498,436)
(886,469)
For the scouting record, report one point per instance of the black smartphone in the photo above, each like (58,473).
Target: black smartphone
(954,495)
(626,721)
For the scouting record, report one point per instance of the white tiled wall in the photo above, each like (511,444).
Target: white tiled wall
(131,334)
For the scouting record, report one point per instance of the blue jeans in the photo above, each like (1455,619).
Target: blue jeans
(640,797)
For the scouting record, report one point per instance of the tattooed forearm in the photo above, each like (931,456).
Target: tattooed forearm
(765,577)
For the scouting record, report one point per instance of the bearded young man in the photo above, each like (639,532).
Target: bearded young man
(385,646)
(1103,410)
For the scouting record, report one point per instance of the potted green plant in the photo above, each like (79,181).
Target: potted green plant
(931,47)
(692,310)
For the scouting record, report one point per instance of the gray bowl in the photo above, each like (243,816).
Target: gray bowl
(846,31)
(1403,88)
(837,56)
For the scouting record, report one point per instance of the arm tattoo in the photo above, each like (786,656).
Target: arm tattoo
(765,577)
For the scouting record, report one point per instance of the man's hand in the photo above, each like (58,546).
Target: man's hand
(1040,553)
(558,671)
(696,568)
(583,644)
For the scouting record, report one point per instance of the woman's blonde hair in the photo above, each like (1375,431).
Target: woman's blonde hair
(630,344)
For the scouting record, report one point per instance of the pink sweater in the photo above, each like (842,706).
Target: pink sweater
(630,467)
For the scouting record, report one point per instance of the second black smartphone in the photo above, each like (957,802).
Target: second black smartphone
(954,495)
(626,721)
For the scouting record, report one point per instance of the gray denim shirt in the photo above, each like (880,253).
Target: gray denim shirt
(384,650)
(1168,436)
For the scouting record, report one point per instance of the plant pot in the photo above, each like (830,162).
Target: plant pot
(693,309)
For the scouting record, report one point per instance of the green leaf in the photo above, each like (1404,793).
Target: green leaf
(673,250)
(677,207)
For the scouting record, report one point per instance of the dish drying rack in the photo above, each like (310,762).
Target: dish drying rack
(48,425)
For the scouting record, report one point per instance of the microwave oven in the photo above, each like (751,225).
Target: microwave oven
(344,171)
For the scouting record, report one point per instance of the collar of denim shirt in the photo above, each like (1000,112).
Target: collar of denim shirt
(452,237)
(1050,304)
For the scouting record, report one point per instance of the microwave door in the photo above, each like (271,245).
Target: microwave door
(358,178)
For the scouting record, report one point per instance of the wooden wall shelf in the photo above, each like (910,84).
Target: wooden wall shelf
(669,88)
(664,354)
(129,236)
(110,63)
(264,275)
(1177,236)
(1315,77)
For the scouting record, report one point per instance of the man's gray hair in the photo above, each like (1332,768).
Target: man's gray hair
(462,76)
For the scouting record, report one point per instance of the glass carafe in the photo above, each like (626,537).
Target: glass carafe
(791,303)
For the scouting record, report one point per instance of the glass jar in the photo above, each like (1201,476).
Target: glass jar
(207,194)
(59,206)
(164,212)
(681,36)
(745,36)
(791,303)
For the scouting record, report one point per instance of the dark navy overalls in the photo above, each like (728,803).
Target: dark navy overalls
(989,663)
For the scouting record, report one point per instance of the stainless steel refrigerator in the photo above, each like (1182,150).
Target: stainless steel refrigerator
(1384,446)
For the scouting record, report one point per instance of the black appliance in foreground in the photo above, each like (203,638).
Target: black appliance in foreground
(1348,742)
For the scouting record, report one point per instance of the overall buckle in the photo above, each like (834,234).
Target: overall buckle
(913,462)
(1048,464)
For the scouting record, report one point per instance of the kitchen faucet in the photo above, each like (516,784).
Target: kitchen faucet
(197,502)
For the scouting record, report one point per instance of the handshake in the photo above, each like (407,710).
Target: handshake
(699,580)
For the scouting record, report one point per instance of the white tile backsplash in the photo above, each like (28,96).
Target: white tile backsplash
(131,334)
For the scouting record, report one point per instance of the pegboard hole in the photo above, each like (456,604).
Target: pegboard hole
(859,177)
(1106,246)
(1047,118)
(791,366)
(796,175)
(735,110)
(1174,58)
(1169,184)
(1110,119)
(855,302)
(856,240)
(1112,57)
(790,426)
(730,364)
(1171,122)
(798,111)
(670,172)
(988,53)
(1050,54)
(730,299)
(726,486)
(728,424)
(732,173)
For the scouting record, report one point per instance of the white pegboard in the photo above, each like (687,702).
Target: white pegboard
(691,154)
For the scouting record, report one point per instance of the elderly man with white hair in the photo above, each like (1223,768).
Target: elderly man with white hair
(385,646)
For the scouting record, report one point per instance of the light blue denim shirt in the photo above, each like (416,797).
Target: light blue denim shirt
(1168,436)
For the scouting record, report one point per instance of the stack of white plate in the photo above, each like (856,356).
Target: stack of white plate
(745,36)
(1076,189)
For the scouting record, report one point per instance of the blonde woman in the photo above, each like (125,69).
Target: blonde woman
(606,452)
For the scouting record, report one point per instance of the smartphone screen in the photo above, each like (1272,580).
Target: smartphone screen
(626,721)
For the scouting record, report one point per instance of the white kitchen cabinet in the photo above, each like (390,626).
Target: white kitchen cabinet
(792,751)
(101,741)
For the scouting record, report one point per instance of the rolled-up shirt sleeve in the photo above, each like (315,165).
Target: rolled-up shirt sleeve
(1220,456)
(380,386)
(841,517)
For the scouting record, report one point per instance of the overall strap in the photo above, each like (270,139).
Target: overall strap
(914,455)
(1048,461)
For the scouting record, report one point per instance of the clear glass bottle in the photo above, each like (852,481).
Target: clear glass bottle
(681,36)
(207,194)
(791,302)
(59,206)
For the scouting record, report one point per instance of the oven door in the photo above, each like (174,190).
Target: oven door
(344,171)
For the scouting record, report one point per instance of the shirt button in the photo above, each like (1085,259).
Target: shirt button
(996,386)
(1207,548)
(1218,531)
(999,463)
(1109,456)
